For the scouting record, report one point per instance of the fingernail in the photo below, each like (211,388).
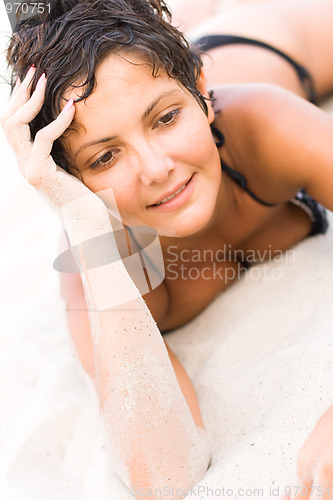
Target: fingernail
(41,80)
(29,76)
(31,70)
(69,104)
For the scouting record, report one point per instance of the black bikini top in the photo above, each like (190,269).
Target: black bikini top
(233,174)
(213,41)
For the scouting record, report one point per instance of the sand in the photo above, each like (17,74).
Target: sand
(260,358)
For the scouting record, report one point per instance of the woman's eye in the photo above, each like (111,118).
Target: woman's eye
(104,160)
(167,119)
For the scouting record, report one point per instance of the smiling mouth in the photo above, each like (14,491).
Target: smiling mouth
(173,195)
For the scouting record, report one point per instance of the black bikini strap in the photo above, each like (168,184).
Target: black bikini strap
(242,182)
(213,41)
(217,134)
(233,174)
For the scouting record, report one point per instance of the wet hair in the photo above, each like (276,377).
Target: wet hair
(69,42)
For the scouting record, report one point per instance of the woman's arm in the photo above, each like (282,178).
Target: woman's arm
(72,291)
(151,435)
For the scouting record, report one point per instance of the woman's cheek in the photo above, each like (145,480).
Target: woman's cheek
(112,190)
(199,142)
(127,201)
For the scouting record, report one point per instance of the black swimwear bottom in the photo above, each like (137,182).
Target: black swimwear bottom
(315,210)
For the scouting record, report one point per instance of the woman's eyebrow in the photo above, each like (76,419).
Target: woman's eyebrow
(93,143)
(155,103)
(145,115)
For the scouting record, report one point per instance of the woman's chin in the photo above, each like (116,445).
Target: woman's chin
(193,219)
(186,226)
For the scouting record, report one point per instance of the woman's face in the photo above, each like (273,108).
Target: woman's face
(149,140)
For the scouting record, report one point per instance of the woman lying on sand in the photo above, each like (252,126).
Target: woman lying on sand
(114,120)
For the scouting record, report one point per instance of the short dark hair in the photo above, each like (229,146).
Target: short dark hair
(70,41)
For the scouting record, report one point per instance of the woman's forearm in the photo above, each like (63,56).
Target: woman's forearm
(150,430)
(152,438)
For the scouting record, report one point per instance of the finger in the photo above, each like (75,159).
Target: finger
(302,492)
(17,128)
(18,99)
(22,94)
(45,137)
(306,472)
(39,165)
(324,484)
(32,107)
(16,86)
(29,76)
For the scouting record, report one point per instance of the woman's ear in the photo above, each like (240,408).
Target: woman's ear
(202,87)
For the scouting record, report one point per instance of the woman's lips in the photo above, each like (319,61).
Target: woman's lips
(177,200)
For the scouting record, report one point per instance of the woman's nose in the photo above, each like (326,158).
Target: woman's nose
(155,165)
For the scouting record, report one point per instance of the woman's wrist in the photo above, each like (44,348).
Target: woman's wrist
(84,219)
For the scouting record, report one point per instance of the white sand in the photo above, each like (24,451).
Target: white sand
(260,358)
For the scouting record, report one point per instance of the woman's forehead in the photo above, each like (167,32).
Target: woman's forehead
(122,86)
(126,92)
(121,73)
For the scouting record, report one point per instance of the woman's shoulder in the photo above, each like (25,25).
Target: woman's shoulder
(250,100)
(247,115)
(262,126)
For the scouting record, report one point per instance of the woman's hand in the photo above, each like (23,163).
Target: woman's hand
(89,219)
(315,463)
(34,159)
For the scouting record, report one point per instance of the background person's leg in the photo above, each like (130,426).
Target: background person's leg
(300,28)
(186,14)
